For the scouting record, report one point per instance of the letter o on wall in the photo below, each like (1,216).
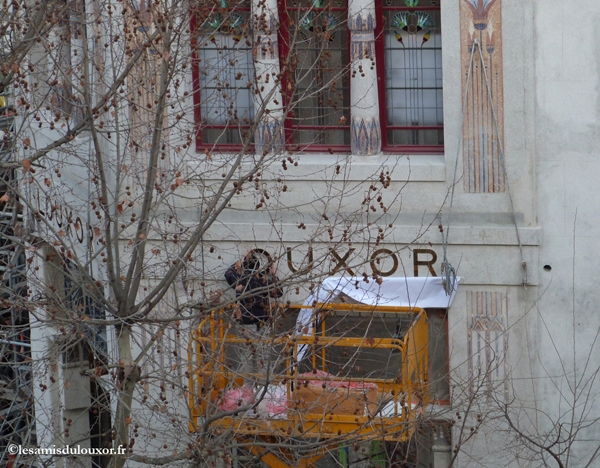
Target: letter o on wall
(59,211)
(265,253)
(79,231)
(386,252)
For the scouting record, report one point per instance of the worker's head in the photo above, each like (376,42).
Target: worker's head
(251,263)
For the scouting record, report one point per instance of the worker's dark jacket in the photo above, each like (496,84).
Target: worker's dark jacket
(257,289)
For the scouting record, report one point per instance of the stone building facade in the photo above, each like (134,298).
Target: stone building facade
(482,115)
(511,182)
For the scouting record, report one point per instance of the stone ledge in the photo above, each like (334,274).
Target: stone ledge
(317,166)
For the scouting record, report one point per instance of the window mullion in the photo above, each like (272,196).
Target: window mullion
(267,97)
(365,129)
(380,67)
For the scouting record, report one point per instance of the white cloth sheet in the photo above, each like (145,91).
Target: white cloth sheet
(423,292)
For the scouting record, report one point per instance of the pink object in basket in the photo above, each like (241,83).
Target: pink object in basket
(274,402)
(235,398)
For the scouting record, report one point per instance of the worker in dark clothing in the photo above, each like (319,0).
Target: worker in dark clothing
(254,288)
(257,291)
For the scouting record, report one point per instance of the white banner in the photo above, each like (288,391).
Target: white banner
(423,292)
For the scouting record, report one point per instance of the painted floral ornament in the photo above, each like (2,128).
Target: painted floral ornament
(400,21)
(331,21)
(424,20)
(480,9)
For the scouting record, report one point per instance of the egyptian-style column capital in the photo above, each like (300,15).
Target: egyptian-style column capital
(361,15)
(364,123)
(268,102)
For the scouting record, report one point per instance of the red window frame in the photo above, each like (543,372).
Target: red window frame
(283,36)
(197,96)
(380,64)
(283,40)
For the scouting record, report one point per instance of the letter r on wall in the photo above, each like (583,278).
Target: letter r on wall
(428,263)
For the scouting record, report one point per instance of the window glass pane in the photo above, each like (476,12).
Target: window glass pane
(439,387)
(413,78)
(415,137)
(225,69)
(374,363)
(318,41)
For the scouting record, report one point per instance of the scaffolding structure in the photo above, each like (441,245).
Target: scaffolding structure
(17,418)
(380,403)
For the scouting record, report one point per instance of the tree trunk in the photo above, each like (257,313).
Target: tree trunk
(129,375)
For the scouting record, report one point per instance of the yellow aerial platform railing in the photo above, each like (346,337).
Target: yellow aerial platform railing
(343,406)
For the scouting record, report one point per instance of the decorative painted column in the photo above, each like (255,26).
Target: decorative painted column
(364,125)
(269,136)
(483,136)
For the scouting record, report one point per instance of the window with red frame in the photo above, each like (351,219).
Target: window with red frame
(314,55)
(314,42)
(222,72)
(409,64)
